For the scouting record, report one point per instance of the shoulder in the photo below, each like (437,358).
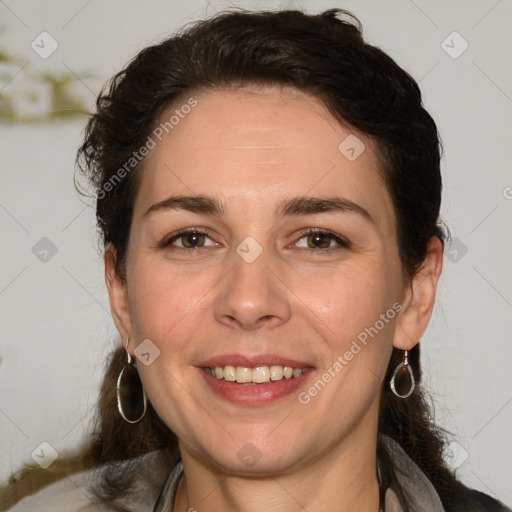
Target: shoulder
(74,493)
(422,495)
(471,500)
(70,494)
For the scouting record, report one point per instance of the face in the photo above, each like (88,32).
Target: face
(290,259)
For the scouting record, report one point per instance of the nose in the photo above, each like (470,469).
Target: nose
(252,296)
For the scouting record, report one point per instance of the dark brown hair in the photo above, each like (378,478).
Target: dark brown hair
(323,55)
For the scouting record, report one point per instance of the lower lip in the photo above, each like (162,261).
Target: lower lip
(255,394)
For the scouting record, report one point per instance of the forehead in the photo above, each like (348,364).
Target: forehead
(255,145)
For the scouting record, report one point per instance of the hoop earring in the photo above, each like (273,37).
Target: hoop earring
(129,392)
(403,366)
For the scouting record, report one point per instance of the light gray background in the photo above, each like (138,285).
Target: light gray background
(55,322)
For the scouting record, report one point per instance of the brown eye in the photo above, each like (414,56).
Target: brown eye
(319,239)
(188,240)
(192,240)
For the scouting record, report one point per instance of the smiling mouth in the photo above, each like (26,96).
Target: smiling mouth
(256,375)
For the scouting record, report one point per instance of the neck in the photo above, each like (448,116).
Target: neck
(343,480)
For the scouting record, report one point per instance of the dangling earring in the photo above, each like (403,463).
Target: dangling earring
(404,366)
(131,397)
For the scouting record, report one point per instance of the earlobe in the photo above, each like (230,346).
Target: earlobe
(118,296)
(420,298)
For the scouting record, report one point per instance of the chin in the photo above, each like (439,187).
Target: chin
(258,454)
(251,461)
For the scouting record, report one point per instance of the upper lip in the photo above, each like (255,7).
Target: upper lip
(251,361)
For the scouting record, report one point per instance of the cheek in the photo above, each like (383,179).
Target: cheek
(351,299)
(162,301)
(359,320)
(360,315)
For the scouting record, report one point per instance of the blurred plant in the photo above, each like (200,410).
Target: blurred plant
(42,97)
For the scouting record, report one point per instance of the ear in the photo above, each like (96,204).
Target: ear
(419,298)
(118,295)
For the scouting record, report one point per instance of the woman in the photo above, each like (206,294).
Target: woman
(268,193)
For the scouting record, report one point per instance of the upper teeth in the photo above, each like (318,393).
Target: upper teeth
(258,375)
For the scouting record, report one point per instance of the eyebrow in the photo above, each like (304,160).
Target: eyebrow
(302,205)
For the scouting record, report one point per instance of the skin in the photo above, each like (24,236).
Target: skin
(253,148)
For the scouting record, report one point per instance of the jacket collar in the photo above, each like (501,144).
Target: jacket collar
(418,489)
